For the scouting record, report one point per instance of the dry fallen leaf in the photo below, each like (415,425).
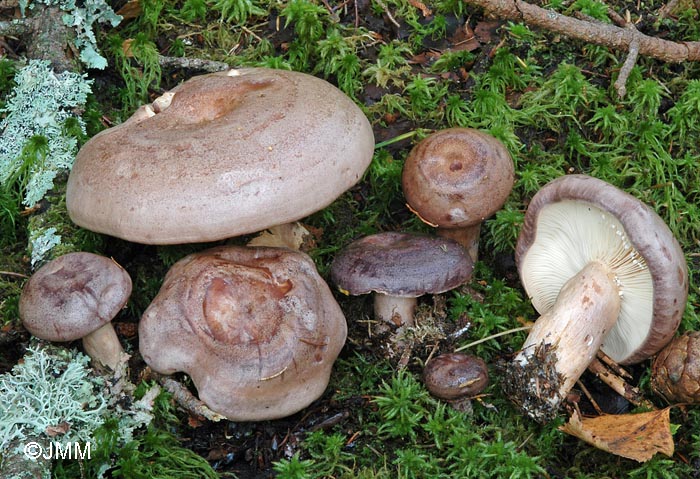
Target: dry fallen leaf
(634,436)
(57,430)
(291,235)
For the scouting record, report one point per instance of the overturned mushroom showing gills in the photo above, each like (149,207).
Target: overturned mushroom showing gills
(456,178)
(257,330)
(221,155)
(605,272)
(76,296)
(398,268)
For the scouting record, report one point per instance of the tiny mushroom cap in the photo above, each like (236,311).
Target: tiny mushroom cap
(76,296)
(455,376)
(456,178)
(605,272)
(256,328)
(398,268)
(221,155)
(675,374)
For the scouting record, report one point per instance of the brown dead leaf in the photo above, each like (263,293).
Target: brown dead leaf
(487,31)
(464,39)
(634,436)
(422,7)
(290,235)
(126,47)
(58,430)
(131,9)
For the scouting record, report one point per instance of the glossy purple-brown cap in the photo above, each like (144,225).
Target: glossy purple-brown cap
(401,264)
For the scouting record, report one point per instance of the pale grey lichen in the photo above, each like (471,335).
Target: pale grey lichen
(53,393)
(40,243)
(39,105)
(80,16)
(46,390)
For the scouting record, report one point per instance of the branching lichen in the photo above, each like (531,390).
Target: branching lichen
(39,106)
(41,242)
(50,388)
(80,16)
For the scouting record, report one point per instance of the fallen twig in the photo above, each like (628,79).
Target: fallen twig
(200,64)
(184,398)
(592,32)
(619,385)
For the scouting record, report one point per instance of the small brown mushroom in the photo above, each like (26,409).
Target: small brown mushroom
(221,155)
(398,268)
(676,371)
(605,272)
(456,178)
(454,376)
(256,328)
(76,296)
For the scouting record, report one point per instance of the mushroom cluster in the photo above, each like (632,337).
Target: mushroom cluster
(605,272)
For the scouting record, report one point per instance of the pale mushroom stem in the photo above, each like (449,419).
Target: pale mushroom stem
(395,310)
(467,236)
(564,341)
(103,346)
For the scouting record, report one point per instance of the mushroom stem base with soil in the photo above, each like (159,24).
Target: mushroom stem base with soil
(103,346)
(563,342)
(394,310)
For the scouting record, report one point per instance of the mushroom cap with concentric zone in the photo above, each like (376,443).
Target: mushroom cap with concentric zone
(577,219)
(257,329)
(221,155)
(72,296)
(457,177)
(401,264)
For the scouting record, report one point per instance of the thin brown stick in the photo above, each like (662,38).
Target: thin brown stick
(627,66)
(619,385)
(597,33)
(588,394)
(185,399)
(612,365)
(14,275)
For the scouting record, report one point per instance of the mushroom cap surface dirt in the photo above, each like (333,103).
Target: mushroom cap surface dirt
(256,328)
(576,219)
(457,177)
(401,264)
(72,296)
(226,154)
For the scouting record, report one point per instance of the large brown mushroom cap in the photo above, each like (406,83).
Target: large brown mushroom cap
(576,219)
(72,296)
(457,177)
(227,154)
(257,330)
